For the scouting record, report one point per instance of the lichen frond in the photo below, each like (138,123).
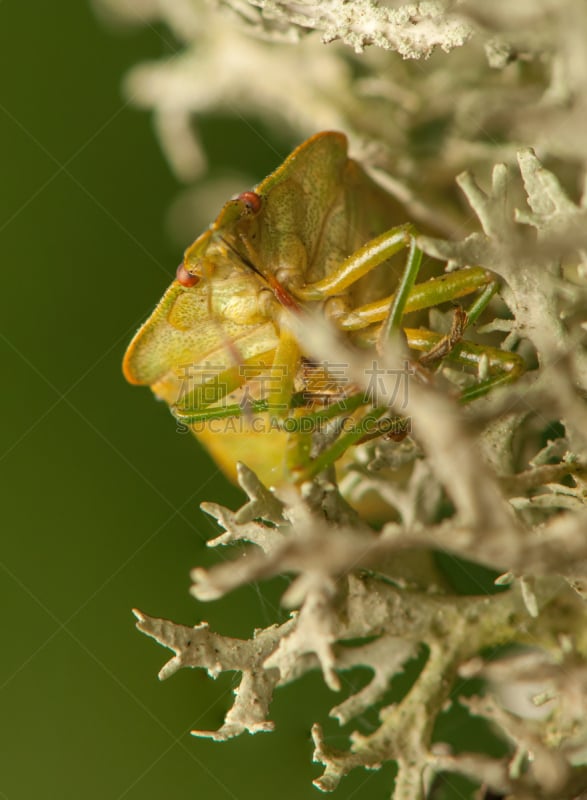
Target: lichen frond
(377,599)
(514,76)
(501,483)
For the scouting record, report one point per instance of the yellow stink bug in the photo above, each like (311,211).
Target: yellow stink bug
(316,234)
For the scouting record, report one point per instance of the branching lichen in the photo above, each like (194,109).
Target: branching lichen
(413,29)
(342,595)
(516,75)
(528,523)
(501,482)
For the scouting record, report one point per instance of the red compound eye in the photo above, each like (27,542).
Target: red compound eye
(186,278)
(252,200)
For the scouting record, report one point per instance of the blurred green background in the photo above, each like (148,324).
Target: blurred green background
(100,500)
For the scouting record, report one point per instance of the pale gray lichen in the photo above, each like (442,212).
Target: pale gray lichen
(523,516)
(516,75)
(503,482)
(412,29)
